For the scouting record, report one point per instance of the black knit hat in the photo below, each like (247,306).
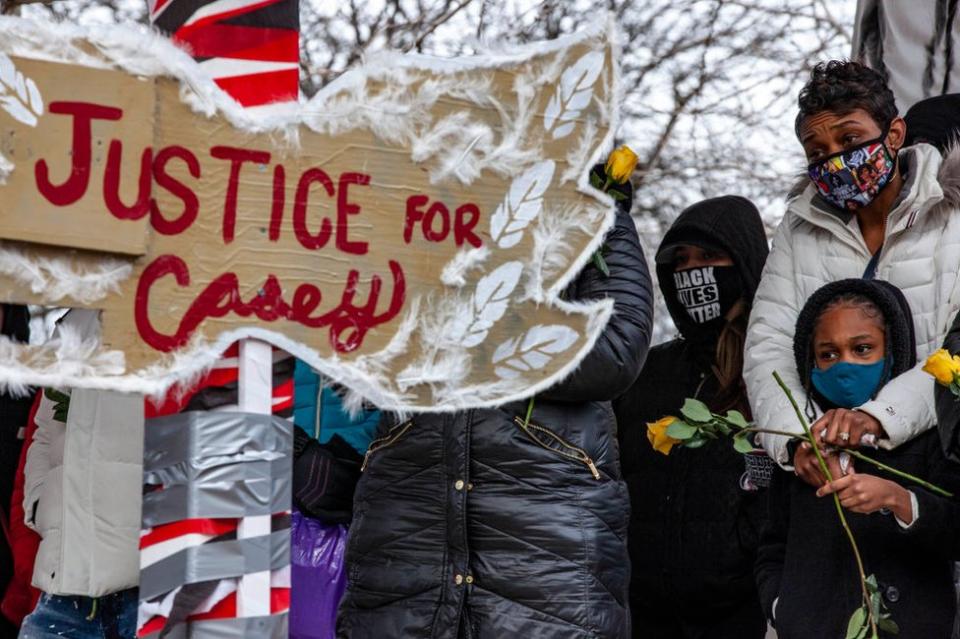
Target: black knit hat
(935,121)
(898,322)
(729,222)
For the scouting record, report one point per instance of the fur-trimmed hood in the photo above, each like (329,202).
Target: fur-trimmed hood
(949,174)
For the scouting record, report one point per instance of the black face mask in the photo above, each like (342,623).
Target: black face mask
(708,292)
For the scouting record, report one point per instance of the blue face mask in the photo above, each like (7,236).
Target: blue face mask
(849,385)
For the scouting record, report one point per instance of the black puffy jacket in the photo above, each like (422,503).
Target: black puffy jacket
(470,525)
(693,529)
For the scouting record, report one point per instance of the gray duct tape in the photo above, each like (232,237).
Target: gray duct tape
(238,490)
(216,560)
(211,474)
(272,627)
(216,464)
(197,467)
(180,438)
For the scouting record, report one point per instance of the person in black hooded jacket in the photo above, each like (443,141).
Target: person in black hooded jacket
(852,337)
(694,524)
(479,524)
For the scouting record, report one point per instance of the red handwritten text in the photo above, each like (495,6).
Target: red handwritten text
(322,211)
(348,321)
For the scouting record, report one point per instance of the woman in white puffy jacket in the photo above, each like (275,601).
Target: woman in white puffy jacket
(82,494)
(870,209)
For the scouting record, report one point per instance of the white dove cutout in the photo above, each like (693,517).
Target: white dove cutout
(406,232)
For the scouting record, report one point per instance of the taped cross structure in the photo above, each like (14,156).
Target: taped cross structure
(408,232)
(251,50)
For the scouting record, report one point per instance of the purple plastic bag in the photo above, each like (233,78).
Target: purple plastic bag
(318,576)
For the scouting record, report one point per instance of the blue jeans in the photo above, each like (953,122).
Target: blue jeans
(112,616)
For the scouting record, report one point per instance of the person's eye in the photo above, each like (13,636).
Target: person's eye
(863,349)
(850,138)
(827,356)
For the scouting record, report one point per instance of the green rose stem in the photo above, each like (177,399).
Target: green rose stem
(598,260)
(526,420)
(601,263)
(836,502)
(857,454)
(899,473)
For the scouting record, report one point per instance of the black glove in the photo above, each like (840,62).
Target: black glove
(625,203)
(324,477)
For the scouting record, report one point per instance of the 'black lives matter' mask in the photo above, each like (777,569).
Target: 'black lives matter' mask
(708,292)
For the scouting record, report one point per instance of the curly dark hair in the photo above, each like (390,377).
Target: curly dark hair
(841,86)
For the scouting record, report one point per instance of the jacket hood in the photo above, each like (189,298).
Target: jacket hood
(728,222)
(898,322)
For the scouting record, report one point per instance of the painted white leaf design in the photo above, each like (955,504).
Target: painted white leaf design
(573,95)
(19,95)
(523,203)
(534,350)
(489,303)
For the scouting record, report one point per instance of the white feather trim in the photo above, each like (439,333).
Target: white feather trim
(58,277)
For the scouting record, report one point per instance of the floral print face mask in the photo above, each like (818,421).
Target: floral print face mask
(851,179)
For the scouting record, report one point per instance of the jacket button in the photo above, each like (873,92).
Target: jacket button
(458,579)
(891,594)
(469,486)
(458,484)
(469,579)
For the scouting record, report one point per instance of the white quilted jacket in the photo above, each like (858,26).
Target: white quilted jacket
(813,246)
(82,489)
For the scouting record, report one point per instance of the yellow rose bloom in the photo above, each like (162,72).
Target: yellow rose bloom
(657,434)
(943,366)
(621,164)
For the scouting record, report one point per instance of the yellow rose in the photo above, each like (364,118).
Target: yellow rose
(943,366)
(620,165)
(657,434)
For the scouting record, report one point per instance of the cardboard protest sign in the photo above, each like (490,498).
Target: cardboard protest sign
(407,232)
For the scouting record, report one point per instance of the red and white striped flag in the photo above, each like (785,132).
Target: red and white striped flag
(250,48)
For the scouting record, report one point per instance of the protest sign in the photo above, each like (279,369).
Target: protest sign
(408,232)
